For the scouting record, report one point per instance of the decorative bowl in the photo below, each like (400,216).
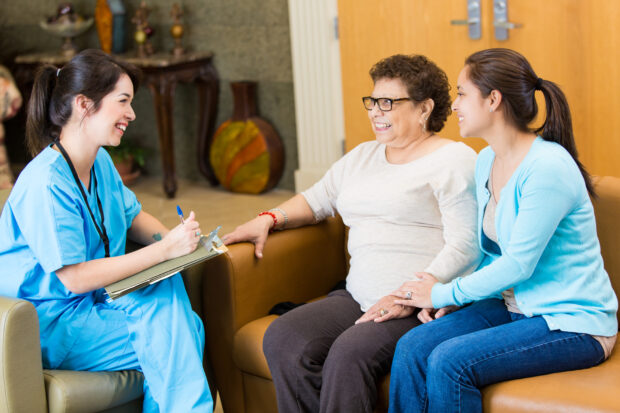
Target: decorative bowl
(66,28)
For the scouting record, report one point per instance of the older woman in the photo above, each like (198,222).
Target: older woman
(408,200)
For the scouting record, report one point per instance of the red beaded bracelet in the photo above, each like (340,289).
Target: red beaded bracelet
(273,216)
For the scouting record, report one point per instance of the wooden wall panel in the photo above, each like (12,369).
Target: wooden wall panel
(572,42)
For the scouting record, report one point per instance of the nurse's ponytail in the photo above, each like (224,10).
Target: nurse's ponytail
(40,131)
(91,73)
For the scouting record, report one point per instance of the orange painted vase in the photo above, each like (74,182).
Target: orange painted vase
(246,154)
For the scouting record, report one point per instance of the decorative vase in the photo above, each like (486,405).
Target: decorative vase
(110,22)
(246,152)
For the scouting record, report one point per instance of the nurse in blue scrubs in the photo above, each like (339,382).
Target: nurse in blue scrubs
(62,238)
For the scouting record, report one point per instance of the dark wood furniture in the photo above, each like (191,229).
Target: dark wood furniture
(161,72)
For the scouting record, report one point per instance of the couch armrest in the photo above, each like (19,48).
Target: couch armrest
(607,213)
(21,375)
(297,265)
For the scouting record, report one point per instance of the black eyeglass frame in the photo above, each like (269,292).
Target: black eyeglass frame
(377,101)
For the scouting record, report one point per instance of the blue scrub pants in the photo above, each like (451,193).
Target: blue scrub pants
(153,330)
(441,365)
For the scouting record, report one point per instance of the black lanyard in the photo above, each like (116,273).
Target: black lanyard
(100,230)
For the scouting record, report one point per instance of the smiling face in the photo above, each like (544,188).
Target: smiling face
(472,110)
(401,125)
(108,124)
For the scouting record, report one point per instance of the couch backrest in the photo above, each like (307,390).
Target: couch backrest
(607,211)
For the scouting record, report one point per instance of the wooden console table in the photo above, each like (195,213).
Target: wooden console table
(161,72)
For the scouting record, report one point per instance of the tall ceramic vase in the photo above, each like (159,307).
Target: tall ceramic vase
(246,152)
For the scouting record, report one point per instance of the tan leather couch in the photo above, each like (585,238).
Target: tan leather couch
(302,264)
(25,387)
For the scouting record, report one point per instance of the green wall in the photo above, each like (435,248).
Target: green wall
(250,40)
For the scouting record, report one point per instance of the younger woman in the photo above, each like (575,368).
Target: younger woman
(62,238)
(542,301)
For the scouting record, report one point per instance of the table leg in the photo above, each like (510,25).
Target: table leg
(208,91)
(162,87)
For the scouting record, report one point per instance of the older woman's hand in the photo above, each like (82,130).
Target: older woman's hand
(416,293)
(254,231)
(384,310)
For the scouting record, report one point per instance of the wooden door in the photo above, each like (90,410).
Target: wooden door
(574,43)
(571,42)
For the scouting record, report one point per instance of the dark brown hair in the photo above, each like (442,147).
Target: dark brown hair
(423,80)
(91,73)
(512,75)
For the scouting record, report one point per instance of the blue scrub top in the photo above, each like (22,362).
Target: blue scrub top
(45,225)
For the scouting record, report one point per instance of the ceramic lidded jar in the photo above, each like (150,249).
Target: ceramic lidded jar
(246,152)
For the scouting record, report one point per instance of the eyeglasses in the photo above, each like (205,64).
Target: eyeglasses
(385,104)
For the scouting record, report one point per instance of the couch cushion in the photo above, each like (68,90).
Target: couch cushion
(86,391)
(588,390)
(248,347)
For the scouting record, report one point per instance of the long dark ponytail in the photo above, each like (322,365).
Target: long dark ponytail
(511,74)
(91,73)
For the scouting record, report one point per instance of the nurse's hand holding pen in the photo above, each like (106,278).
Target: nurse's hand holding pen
(183,238)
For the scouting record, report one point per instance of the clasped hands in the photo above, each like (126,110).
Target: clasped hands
(402,302)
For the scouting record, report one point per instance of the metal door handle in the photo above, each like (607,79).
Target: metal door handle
(473,19)
(464,22)
(500,20)
(506,25)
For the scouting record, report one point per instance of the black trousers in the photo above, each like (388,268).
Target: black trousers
(321,361)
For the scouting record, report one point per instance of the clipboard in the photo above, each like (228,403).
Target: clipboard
(209,246)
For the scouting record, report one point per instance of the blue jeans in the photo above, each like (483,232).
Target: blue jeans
(440,366)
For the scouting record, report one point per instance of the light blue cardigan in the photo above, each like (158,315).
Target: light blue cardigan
(550,252)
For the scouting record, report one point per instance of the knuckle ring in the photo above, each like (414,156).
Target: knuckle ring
(408,295)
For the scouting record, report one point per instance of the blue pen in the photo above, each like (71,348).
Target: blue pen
(180,212)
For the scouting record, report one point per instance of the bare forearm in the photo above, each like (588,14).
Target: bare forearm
(298,212)
(91,275)
(146,229)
